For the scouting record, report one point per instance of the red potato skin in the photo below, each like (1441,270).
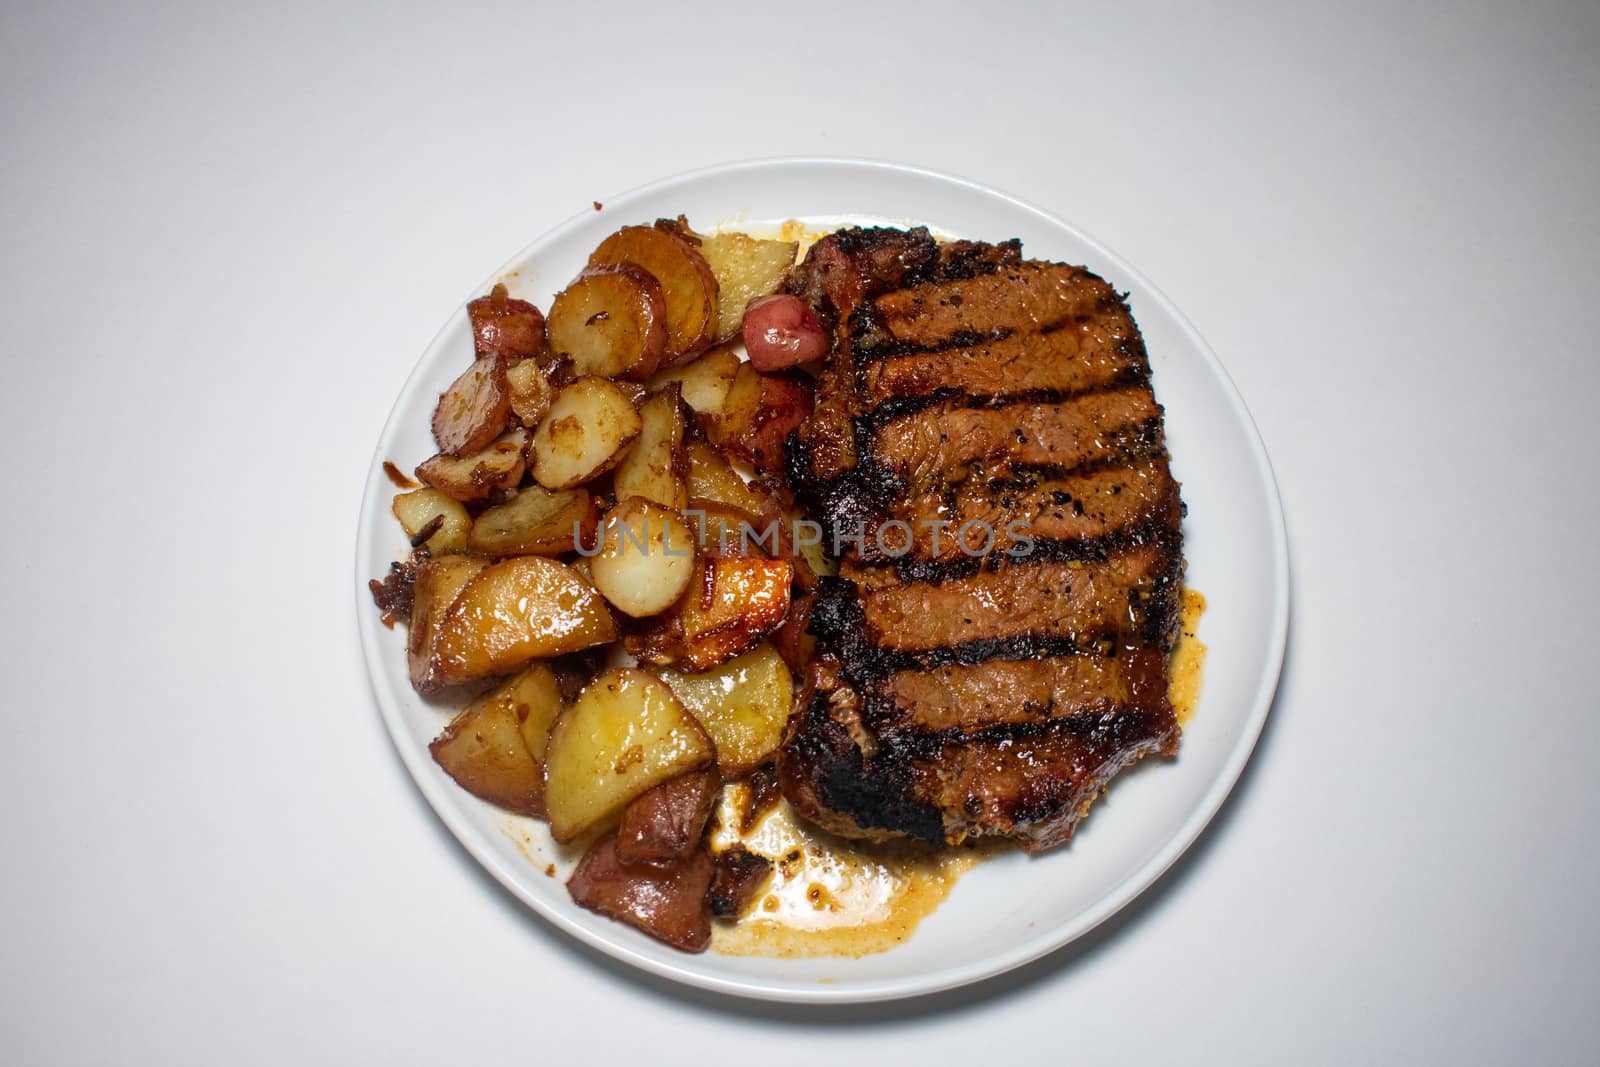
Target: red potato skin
(664,825)
(782,331)
(509,329)
(785,404)
(668,904)
(473,411)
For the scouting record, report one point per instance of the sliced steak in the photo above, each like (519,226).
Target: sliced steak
(987,448)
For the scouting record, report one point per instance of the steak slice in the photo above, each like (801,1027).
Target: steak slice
(987,449)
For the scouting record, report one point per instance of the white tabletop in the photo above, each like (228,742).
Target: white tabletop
(225,238)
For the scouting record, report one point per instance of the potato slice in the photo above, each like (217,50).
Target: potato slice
(472,412)
(720,530)
(745,268)
(530,391)
(438,582)
(626,733)
(686,281)
(646,557)
(669,904)
(656,466)
(507,328)
(712,477)
(483,475)
(513,612)
(536,694)
(536,522)
(744,705)
(760,411)
(425,509)
(611,322)
(587,432)
(484,751)
(725,612)
(705,381)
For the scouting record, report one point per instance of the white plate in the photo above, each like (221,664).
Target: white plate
(1012,909)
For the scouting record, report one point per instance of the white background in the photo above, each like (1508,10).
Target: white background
(225,236)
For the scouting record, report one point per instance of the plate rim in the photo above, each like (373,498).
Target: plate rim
(1119,896)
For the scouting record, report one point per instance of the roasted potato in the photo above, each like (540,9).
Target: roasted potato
(744,705)
(505,328)
(536,522)
(646,557)
(720,530)
(793,639)
(664,825)
(782,331)
(705,381)
(438,582)
(425,509)
(473,411)
(655,468)
(493,472)
(686,281)
(760,411)
(484,750)
(669,904)
(611,322)
(587,432)
(711,477)
(745,268)
(531,392)
(626,733)
(535,694)
(726,611)
(512,612)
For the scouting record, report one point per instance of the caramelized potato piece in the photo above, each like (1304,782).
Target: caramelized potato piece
(531,392)
(760,411)
(480,476)
(793,642)
(587,432)
(646,557)
(438,582)
(782,331)
(736,880)
(536,522)
(515,611)
(686,281)
(535,695)
(668,904)
(743,704)
(611,322)
(625,734)
(656,466)
(472,412)
(664,825)
(712,477)
(745,268)
(720,530)
(705,381)
(484,751)
(422,509)
(726,611)
(505,328)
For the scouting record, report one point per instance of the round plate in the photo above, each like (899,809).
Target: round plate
(1013,908)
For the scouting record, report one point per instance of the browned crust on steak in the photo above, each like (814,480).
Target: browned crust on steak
(959,695)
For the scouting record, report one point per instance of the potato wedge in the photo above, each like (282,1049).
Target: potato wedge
(438,582)
(760,411)
(484,751)
(665,825)
(626,733)
(505,328)
(720,530)
(646,557)
(743,704)
(535,694)
(473,410)
(587,432)
(422,509)
(515,611)
(712,477)
(705,381)
(531,392)
(687,283)
(726,611)
(611,322)
(480,476)
(656,467)
(745,268)
(669,904)
(536,522)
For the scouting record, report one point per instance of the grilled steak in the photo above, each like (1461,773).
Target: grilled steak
(987,457)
